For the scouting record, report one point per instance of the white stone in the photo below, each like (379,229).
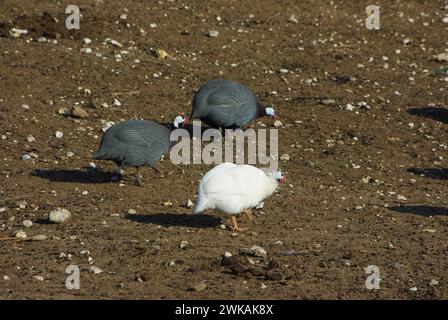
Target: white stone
(213,34)
(59,215)
(86,41)
(27,223)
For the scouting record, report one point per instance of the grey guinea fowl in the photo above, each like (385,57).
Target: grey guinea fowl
(136,143)
(227,104)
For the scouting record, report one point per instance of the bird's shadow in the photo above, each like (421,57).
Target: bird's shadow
(78,176)
(176,220)
(425,211)
(438,114)
(434,173)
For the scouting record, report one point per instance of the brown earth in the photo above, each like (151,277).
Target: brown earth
(365,187)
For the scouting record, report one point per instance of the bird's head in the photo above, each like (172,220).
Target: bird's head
(280,177)
(180,121)
(270,112)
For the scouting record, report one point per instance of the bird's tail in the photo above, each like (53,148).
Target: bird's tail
(99,155)
(201,205)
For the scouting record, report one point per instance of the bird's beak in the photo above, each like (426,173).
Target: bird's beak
(283,179)
(186,121)
(275,117)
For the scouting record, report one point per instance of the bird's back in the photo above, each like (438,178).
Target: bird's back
(135,143)
(224,103)
(232,188)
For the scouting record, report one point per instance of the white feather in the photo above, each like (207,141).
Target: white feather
(231,188)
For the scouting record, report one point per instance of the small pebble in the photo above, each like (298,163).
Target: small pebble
(58,134)
(59,215)
(161,54)
(20,234)
(27,223)
(201,286)
(293,19)
(277,123)
(39,237)
(213,34)
(21,204)
(95,270)
(328,101)
(183,244)
(86,41)
(255,251)
(79,112)
(434,282)
(116,103)
(86,50)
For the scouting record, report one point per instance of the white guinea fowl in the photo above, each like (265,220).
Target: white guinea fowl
(234,189)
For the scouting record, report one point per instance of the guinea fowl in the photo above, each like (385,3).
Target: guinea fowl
(136,143)
(227,104)
(235,189)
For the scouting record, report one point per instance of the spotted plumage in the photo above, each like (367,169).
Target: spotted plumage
(135,143)
(226,104)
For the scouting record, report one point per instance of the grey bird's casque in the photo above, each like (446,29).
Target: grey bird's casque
(226,104)
(135,143)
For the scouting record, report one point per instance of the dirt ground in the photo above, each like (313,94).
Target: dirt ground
(367,185)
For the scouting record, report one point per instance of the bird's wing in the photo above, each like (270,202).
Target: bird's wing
(141,133)
(237,181)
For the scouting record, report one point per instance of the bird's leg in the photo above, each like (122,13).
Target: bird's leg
(117,173)
(138,182)
(249,215)
(235,225)
(158,171)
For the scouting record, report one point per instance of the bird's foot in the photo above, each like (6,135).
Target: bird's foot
(238,229)
(235,226)
(249,215)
